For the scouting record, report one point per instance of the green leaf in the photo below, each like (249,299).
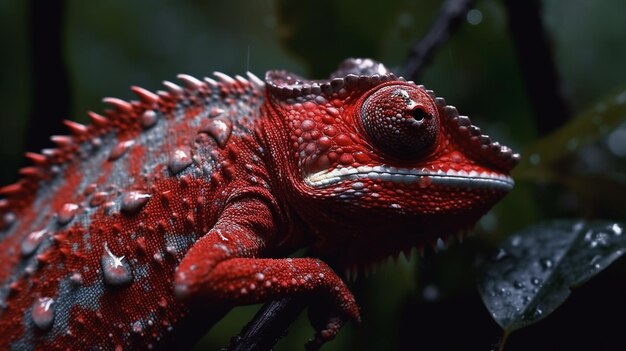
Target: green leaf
(588,127)
(533,271)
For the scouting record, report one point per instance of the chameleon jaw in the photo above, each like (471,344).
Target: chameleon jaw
(485,180)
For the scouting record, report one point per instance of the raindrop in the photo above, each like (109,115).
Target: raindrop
(595,261)
(534,159)
(535,281)
(518,285)
(617,229)
(597,239)
(538,312)
(474,17)
(617,142)
(43,313)
(501,255)
(546,263)
(430,292)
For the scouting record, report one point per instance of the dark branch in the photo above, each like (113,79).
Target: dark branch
(451,15)
(268,325)
(543,85)
(50,102)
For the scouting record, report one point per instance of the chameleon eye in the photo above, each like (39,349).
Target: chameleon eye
(400,121)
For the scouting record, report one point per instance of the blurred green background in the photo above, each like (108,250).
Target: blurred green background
(110,45)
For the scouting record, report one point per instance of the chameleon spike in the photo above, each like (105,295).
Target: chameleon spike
(337,83)
(407,253)
(211,82)
(119,104)
(224,77)
(174,89)
(484,139)
(33,172)
(351,80)
(145,96)
(451,111)
(11,189)
(190,82)
(441,102)
(255,80)
(97,120)
(463,121)
(61,140)
(36,158)
(76,128)
(50,152)
(241,80)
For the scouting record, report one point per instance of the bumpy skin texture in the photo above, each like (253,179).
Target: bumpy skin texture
(128,233)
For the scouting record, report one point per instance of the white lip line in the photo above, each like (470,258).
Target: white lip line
(408,176)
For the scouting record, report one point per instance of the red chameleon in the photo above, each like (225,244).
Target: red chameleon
(125,235)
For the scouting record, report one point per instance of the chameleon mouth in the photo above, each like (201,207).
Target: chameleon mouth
(485,180)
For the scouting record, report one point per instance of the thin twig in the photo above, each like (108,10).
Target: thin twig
(451,15)
(268,325)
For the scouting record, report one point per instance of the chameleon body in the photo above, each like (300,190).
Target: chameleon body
(192,197)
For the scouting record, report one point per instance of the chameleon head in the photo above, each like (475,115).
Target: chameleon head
(386,153)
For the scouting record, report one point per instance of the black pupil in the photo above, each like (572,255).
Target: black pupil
(419,114)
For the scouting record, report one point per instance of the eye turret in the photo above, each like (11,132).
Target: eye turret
(400,120)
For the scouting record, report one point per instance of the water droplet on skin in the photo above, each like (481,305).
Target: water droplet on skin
(9,218)
(148,119)
(137,327)
(535,281)
(67,213)
(76,278)
(32,242)
(120,149)
(518,285)
(115,269)
(43,313)
(134,201)
(179,160)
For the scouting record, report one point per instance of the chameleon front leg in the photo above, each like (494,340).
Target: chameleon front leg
(225,265)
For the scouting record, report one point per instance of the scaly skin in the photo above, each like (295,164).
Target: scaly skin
(131,232)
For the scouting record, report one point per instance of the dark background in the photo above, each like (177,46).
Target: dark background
(103,47)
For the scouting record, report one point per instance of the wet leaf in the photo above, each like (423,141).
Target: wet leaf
(533,271)
(586,128)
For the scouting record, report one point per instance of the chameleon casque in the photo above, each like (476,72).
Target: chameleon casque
(192,197)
